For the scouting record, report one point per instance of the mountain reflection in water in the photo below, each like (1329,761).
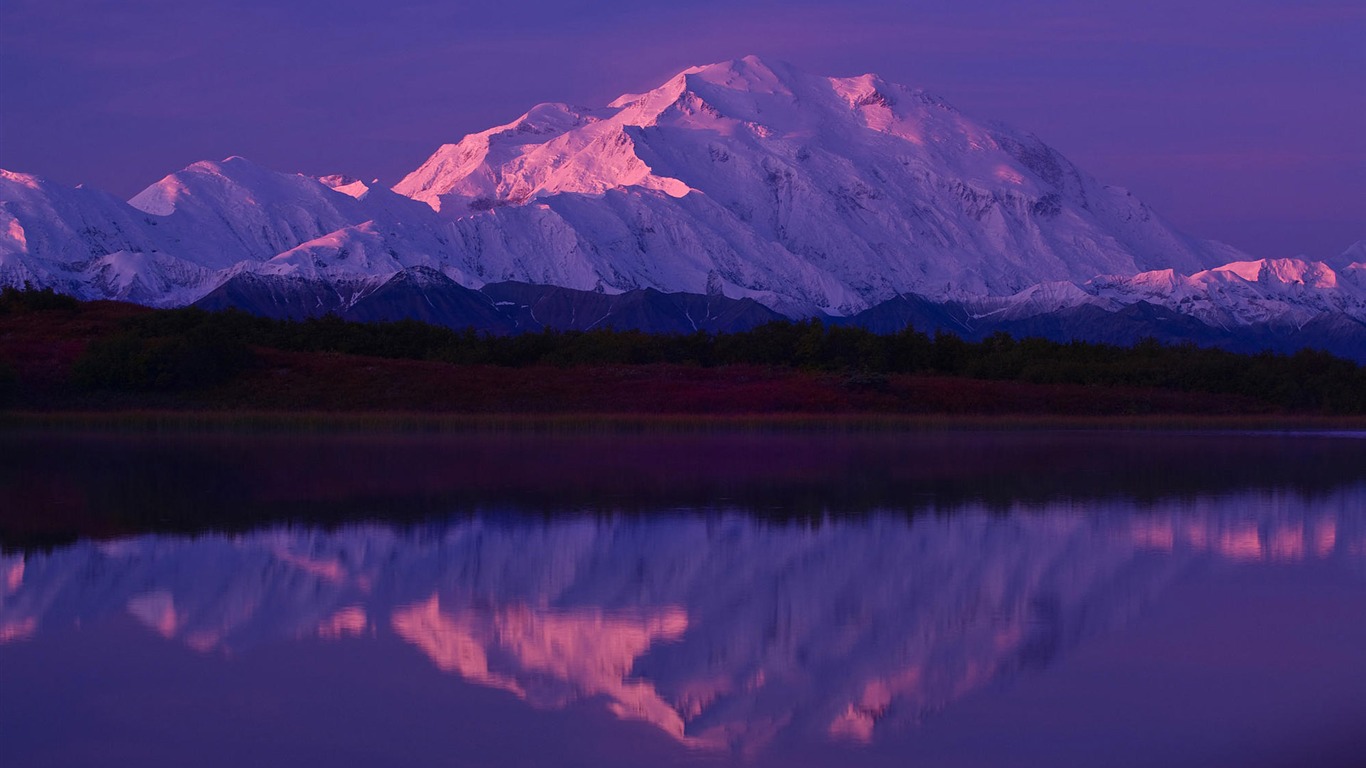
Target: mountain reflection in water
(723,631)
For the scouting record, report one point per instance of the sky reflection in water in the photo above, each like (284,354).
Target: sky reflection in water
(987,631)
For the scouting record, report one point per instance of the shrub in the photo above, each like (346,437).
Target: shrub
(9,384)
(198,357)
(29,299)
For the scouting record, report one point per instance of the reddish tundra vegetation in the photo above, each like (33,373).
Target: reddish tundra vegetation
(341,382)
(46,363)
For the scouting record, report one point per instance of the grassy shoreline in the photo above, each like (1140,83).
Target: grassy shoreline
(412,422)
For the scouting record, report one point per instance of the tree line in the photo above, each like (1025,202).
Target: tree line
(180,349)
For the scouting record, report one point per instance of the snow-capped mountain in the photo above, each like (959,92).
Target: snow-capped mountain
(812,195)
(1281,305)
(720,630)
(1290,292)
(89,244)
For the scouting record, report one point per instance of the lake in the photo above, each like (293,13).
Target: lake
(766,598)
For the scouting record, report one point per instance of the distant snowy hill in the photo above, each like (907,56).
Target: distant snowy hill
(741,180)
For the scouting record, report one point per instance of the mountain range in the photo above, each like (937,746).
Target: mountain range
(755,189)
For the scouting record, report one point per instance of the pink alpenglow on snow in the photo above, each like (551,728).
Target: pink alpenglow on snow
(1242,120)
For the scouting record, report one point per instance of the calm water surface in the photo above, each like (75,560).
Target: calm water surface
(966,599)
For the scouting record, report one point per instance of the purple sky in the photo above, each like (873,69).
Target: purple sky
(1240,120)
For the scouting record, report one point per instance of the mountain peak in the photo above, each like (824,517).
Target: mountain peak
(1314,274)
(1354,254)
(228,166)
(749,73)
(235,180)
(748,63)
(347,185)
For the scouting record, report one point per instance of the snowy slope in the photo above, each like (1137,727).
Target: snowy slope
(87,243)
(246,218)
(1355,254)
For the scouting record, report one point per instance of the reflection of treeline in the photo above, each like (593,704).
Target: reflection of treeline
(190,483)
(188,348)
